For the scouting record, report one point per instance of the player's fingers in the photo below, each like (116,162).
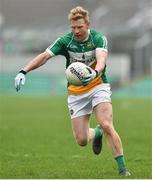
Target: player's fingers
(17,87)
(16,82)
(23,81)
(87,77)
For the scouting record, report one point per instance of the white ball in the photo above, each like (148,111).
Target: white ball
(76,72)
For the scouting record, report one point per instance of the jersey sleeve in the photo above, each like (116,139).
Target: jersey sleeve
(101,42)
(56,48)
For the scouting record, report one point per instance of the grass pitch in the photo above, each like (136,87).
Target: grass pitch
(36,140)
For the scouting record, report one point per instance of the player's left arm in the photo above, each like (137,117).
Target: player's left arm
(101,57)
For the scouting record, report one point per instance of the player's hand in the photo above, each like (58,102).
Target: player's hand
(86,80)
(20,80)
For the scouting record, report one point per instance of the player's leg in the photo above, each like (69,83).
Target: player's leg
(103,112)
(80,108)
(82,133)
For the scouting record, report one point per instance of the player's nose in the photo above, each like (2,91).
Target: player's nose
(76,31)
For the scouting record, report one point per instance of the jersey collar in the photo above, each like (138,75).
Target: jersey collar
(87,36)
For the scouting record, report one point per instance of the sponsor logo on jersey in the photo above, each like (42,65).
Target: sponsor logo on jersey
(88,62)
(77,57)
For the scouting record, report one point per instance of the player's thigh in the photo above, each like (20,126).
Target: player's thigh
(104,114)
(79,105)
(80,126)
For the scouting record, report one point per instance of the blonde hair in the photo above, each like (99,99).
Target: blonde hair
(79,13)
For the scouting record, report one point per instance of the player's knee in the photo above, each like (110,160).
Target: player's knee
(82,141)
(107,128)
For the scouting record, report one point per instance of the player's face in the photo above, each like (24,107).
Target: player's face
(80,29)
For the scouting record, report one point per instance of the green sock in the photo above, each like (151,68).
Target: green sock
(98,132)
(121,163)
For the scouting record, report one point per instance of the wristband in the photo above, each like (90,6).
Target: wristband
(23,72)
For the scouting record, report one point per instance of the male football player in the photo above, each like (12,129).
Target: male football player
(89,47)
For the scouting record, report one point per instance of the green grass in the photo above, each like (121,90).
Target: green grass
(36,140)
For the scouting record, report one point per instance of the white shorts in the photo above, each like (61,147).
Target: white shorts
(83,104)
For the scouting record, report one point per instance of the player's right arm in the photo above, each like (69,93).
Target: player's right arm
(34,64)
(56,48)
(37,61)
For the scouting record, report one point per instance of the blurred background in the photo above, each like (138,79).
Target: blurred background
(28,27)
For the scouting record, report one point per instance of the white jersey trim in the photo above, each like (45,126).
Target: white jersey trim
(48,49)
(70,41)
(105,43)
(50,52)
(103,49)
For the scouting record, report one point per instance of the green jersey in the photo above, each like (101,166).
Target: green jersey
(84,51)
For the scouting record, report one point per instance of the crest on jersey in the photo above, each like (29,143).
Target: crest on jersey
(89,45)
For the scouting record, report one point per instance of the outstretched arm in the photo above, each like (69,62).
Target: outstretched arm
(37,61)
(34,64)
